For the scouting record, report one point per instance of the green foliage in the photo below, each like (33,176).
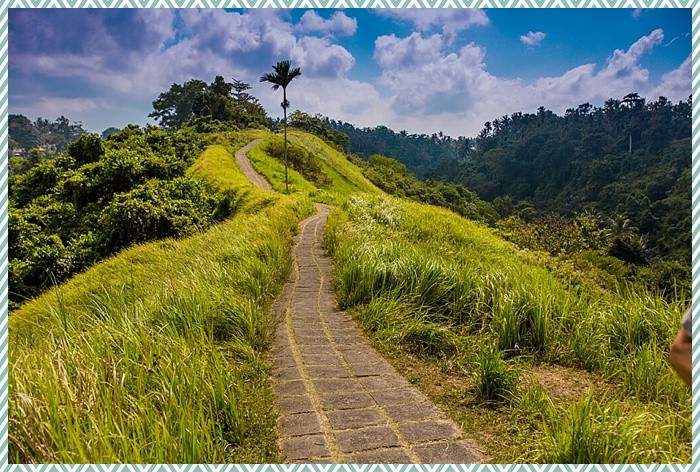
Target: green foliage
(474,299)
(460,275)
(593,431)
(300,160)
(402,324)
(494,381)
(48,136)
(72,210)
(87,148)
(581,160)
(319,126)
(424,155)
(157,354)
(158,209)
(219,101)
(609,250)
(392,177)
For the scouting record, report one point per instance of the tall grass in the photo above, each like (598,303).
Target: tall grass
(494,380)
(445,271)
(602,431)
(156,354)
(341,178)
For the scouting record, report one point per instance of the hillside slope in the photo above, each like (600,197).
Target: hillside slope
(123,352)
(509,344)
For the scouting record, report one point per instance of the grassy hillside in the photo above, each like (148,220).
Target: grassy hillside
(156,354)
(442,294)
(339,177)
(167,339)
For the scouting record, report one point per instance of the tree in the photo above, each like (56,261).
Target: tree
(240,92)
(199,102)
(281,77)
(108,132)
(174,107)
(633,101)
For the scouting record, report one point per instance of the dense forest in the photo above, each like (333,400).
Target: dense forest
(627,158)
(425,155)
(70,209)
(624,166)
(51,136)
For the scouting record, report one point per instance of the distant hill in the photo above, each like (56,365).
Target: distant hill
(51,136)
(627,158)
(425,155)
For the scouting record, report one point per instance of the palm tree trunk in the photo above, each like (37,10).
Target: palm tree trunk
(284,107)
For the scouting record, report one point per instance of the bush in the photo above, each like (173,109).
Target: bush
(155,210)
(596,432)
(75,208)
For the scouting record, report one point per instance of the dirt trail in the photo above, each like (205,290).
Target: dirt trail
(245,166)
(339,400)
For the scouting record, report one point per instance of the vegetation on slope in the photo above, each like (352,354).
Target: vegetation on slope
(435,155)
(50,136)
(332,178)
(625,161)
(392,177)
(70,211)
(450,292)
(582,160)
(157,354)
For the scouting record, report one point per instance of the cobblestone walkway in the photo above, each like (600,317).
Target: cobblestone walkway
(339,400)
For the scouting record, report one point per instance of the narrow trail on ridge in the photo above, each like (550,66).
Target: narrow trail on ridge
(339,400)
(247,168)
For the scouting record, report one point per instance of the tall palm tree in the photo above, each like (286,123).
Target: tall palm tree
(281,77)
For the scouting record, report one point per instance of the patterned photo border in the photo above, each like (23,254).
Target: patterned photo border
(4,173)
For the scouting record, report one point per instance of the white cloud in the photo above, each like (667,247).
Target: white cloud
(637,12)
(448,20)
(56,106)
(675,85)
(392,52)
(427,83)
(454,91)
(339,23)
(532,38)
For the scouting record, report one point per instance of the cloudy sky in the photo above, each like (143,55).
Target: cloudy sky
(420,70)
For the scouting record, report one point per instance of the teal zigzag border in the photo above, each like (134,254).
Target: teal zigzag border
(5,5)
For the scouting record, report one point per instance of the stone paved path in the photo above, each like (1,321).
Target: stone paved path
(245,166)
(339,400)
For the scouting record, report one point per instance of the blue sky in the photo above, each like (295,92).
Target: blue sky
(420,70)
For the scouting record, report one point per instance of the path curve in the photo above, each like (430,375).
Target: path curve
(339,400)
(247,169)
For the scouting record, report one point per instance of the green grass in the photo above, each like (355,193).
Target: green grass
(345,179)
(404,267)
(158,353)
(494,380)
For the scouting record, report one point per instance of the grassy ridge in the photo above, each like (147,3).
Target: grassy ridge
(450,292)
(344,178)
(156,354)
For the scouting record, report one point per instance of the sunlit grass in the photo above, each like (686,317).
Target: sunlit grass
(158,353)
(405,268)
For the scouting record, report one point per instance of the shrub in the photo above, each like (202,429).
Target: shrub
(595,432)
(521,322)
(157,209)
